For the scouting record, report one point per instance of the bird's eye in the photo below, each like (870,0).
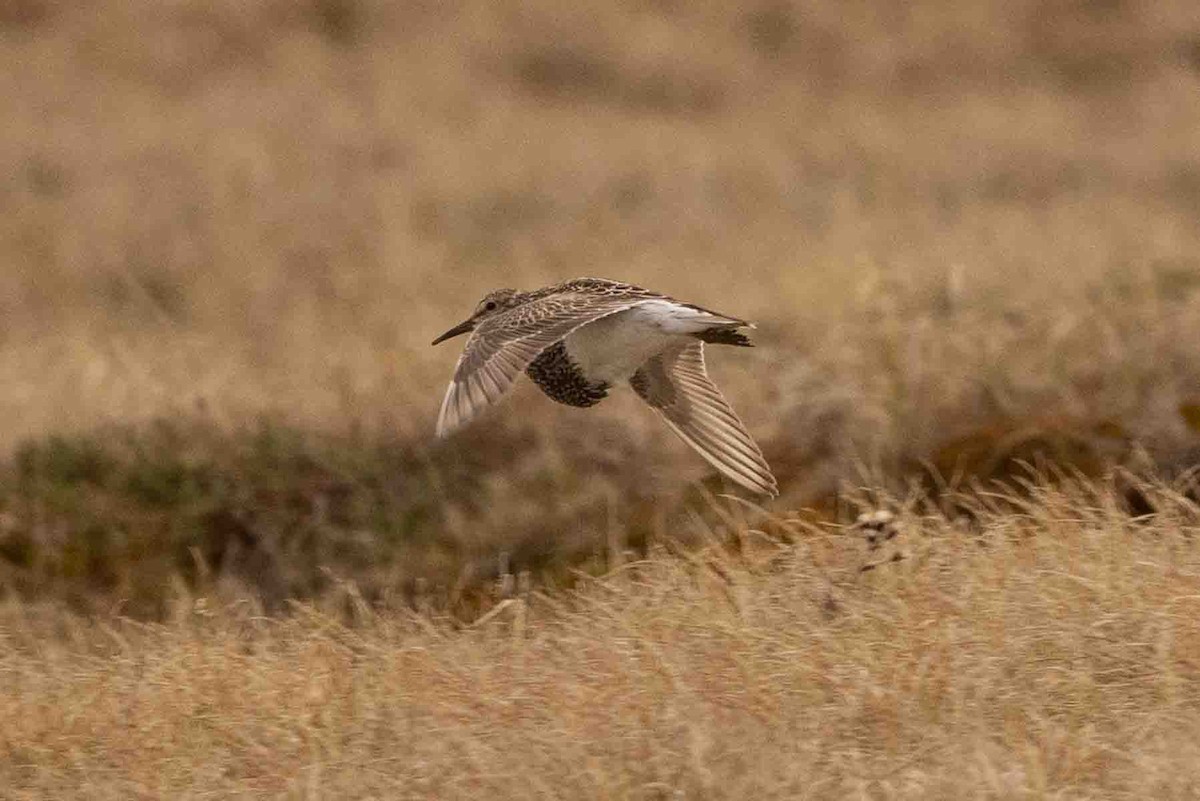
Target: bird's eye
(490,305)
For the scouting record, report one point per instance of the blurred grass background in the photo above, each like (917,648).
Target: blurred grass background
(968,233)
(234,562)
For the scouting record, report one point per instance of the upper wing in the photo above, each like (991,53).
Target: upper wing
(502,347)
(678,387)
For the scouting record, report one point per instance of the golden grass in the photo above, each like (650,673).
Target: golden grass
(1048,653)
(967,232)
(276,205)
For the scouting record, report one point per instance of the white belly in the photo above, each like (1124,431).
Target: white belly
(614,347)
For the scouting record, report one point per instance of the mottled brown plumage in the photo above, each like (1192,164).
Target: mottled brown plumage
(576,339)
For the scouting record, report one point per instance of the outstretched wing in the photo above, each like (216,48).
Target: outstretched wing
(502,347)
(677,385)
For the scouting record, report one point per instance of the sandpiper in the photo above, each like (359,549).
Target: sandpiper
(577,339)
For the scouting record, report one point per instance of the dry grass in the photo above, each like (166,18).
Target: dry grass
(967,231)
(274,206)
(1048,653)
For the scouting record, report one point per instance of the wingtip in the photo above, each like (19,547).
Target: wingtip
(758,487)
(443,427)
(447,429)
(765,485)
(447,424)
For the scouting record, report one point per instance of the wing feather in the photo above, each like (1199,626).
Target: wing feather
(502,347)
(678,387)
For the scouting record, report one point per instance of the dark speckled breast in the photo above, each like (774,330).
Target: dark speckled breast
(562,380)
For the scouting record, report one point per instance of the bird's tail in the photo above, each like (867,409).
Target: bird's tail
(724,336)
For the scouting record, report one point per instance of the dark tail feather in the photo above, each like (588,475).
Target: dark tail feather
(724,336)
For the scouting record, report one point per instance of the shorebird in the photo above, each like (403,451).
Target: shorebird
(578,339)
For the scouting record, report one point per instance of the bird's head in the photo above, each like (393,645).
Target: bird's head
(497,302)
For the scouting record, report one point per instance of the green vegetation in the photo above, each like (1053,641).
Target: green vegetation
(141,519)
(138,518)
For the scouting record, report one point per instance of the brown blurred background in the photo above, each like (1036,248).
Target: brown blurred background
(950,219)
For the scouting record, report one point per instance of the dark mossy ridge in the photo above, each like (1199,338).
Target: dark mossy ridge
(137,519)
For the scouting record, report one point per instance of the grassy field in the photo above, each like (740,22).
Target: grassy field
(1045,652)
(233,560)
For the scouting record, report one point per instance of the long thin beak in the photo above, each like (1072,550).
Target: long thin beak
(461,328)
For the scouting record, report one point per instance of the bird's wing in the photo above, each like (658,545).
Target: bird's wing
(677,385)
(502,347)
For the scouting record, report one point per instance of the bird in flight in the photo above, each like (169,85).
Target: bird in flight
(578,339)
